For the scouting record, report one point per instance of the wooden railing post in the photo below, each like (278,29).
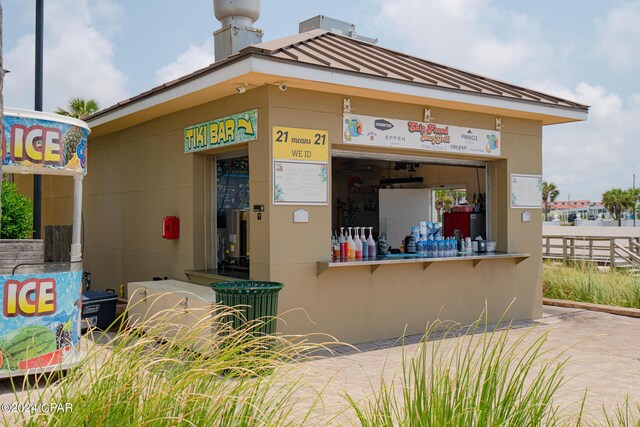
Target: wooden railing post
(590,249)
(573,247)
(612,252)
(548,251)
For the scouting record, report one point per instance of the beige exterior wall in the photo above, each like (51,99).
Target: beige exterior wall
(136,177)
(357,305)
(139,175)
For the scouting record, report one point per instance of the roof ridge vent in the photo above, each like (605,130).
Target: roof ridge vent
(237,32)
(333,25)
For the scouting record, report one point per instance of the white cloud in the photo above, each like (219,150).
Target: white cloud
(586,159)
(78,59)
(194,58)
(470,34)
(620,36)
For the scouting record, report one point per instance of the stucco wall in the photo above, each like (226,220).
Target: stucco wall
(356,305)
(141,174)
(136,177)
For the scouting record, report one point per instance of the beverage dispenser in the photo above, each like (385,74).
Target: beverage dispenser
(237,241)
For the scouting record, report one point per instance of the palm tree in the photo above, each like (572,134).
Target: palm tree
(79,108)
(443,201)
(549,194)
(634,195)
(616,201)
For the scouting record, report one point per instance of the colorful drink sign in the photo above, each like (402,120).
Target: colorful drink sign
(233,129)
(40,315)
(43,143)
(380,132)
(300,162)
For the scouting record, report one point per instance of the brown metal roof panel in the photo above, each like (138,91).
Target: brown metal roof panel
(410,69)
(306,54)
(407,69)
(450,74)
(364,57)
(361,63)
(344,61)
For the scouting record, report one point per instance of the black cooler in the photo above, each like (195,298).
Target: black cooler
(98,309)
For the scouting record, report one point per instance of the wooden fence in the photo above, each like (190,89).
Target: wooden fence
(14,252)
(622,252)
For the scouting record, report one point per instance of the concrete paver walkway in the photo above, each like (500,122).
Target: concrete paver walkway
(603,351)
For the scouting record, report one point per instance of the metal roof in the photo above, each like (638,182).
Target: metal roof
(327,50)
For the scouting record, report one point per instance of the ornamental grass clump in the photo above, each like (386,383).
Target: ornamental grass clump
(483,380)
(175,370)
(584,282)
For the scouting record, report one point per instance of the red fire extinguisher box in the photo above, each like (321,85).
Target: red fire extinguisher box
(170,227)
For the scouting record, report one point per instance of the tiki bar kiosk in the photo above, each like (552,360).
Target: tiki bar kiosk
(41,302)
(275,152)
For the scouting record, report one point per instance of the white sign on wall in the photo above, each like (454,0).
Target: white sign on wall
(300,183)
(381,132)
(526,191)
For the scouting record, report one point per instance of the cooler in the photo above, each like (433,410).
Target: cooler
(98,309)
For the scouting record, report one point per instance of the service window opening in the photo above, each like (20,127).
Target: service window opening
(232,214)
(389,197)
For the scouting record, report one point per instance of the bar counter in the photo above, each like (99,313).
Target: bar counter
(475,257)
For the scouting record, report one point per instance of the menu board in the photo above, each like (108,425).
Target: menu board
(526,191)
(300,183)
(233,184)
(300,162)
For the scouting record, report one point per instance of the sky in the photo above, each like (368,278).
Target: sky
(586,51)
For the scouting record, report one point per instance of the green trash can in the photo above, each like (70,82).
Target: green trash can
(254,300)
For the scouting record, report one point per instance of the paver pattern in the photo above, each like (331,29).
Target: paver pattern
(603,351)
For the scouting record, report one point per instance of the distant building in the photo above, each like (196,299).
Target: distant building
(585,209)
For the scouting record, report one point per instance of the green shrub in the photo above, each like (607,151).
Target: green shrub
(17,213)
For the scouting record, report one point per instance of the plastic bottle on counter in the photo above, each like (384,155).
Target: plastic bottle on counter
(420,246)
(358,242)
(371,244)
(344,250)
(365,244)
(351,243)
(440,248)
(335,247)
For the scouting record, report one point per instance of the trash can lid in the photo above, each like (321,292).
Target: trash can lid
(246,285)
